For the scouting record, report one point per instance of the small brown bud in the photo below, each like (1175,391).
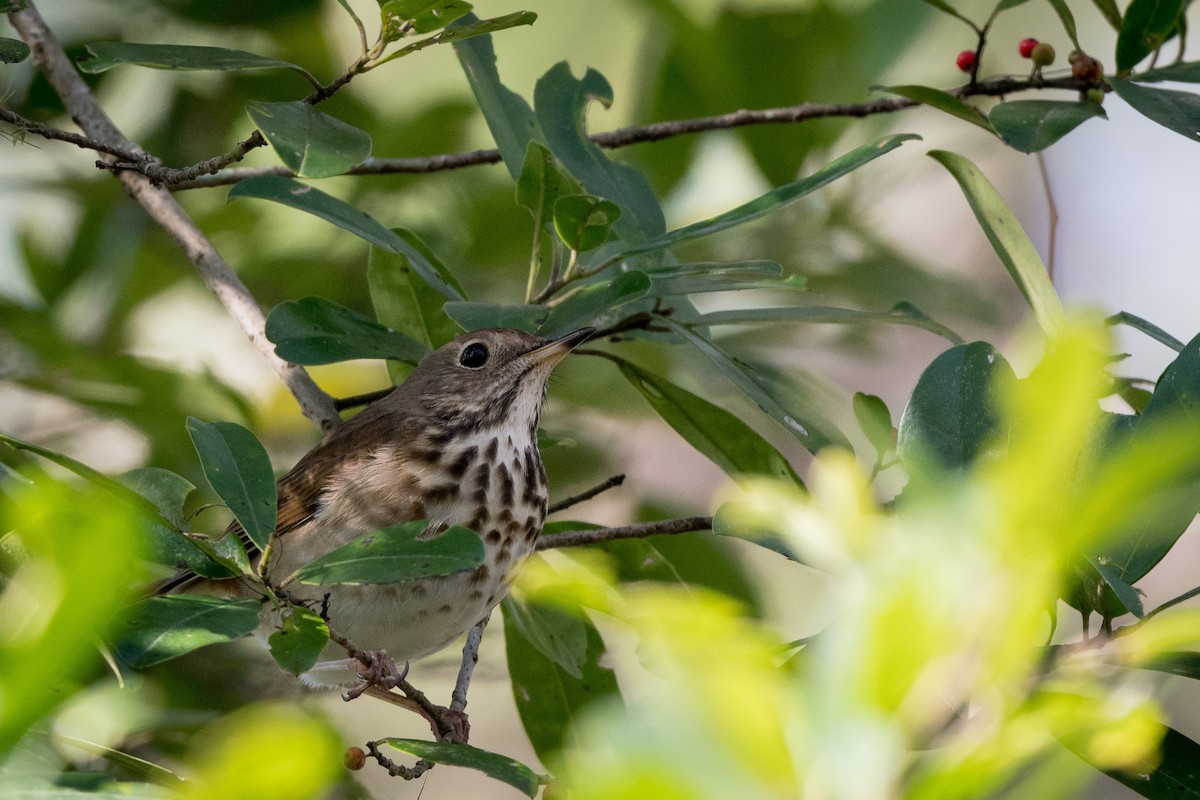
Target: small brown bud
(1086,68)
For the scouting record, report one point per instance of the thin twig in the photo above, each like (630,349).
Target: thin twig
(398,770)
(364,399)
(222,281)
(169,176)
(638,134)
(1052,213)
(639,531)
(1174,601)
(567,502)
(79,140)
(470,657)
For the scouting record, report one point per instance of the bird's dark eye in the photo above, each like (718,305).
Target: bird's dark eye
(474,355)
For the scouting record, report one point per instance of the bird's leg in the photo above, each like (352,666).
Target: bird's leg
(377,670)
(446,724)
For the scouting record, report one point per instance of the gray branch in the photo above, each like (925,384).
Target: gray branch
(639,531)
(162,207)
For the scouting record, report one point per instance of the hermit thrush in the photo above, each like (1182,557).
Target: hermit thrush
(456,444)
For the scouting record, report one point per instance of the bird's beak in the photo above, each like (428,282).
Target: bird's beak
(553,351)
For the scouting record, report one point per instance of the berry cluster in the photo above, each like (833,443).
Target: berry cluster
(1083,66)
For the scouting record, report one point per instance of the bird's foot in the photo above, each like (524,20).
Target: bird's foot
(379,671)
(452,726)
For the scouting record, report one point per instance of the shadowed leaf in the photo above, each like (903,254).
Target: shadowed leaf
(395,555)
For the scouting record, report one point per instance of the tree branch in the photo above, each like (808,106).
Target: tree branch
(158,202)
(639,531)
(470,657)
(79,140)
(567,502)
(637,134)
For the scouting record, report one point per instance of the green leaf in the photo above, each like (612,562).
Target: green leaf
(166,490)
(396,554)
(13,51)
(876,422)
(554,632)
(813,430)
(163,628)
(721,436)
(298,643)
(1176,497)
(722,277)
(583,221)
(106,55)
(1010,242)
(468,30)
(407,304)
(773,199)
(122,492)
(1005,5)
(472,316)
(1184,664)
(1175,777)
(239,471)
(1068,21)
(945,7)
(1109,10)
(541,183)
(560,103)
(305,198)
(942,101)
(1182,72)
(165,543)
(310,142)
(422,16)
(1145,326)
(698,558)
(502,768)
(950,416)
(1147,25)
(1128,596)
(900,314)
(79,557)
(138,766)
(594,304)
(547,697)
(313,330)
(1033,125)
(508,115)
(1178,111)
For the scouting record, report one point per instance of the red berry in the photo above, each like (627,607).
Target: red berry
(966,60)
(354,758)
(1025,48)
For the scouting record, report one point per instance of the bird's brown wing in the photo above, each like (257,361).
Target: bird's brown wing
(299,490)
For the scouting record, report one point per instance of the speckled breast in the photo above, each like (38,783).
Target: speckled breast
(493,482)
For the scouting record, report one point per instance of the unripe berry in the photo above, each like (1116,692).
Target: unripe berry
(354,758)
(1095,96)
(1042,54)
(1025,48)
(966,60)
(1086,68)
